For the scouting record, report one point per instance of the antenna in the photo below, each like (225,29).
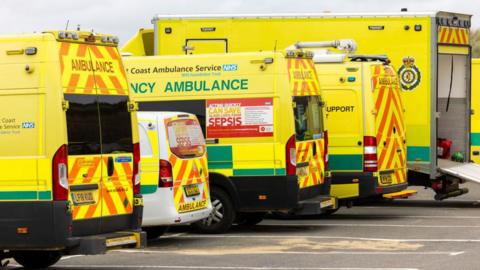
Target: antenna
(66,26)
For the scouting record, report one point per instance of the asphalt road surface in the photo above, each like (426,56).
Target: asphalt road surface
(417,233)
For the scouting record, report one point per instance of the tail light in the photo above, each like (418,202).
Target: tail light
(60,174)
(165,176)
(136,171)
(370,163)
(325,150)
(291,156)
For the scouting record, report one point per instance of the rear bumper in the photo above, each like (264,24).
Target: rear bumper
(48,226)
(160,210)
(367,184)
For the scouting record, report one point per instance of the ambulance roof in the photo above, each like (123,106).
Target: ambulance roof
(307,15)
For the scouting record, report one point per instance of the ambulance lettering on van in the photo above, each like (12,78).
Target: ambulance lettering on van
(188,86)
(143,87)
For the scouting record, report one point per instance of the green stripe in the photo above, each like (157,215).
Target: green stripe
(148,189)
(23,195)
(418,153)
(44,195)
(220,157)
(253,172)
(280,171)
(345,162)
(475,139)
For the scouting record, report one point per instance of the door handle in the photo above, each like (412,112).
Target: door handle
(314,149)
(110,166)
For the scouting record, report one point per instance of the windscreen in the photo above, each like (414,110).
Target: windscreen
(308,117)
(185,138)
(116,124)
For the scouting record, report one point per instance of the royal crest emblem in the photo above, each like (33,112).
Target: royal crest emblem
(410,75)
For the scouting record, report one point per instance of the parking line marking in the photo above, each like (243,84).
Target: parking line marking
(449,253)
(228,267)
(333,237)
(367,225)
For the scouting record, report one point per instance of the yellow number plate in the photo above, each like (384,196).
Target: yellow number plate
(386,178)
(191,190)
(85,197)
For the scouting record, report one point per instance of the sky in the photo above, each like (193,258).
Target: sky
(124,17)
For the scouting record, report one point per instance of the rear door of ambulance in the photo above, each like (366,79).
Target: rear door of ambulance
(389,125)
(309,126)
(99,136)
(187,157)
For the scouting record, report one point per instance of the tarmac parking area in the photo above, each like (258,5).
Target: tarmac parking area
(417,233)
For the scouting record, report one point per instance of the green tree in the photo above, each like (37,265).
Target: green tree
(475,38)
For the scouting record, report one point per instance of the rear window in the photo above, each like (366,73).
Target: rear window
(83,127)
(308,118)
(116,124)
(98,124)
(185,138)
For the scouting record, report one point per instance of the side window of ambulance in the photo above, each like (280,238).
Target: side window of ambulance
(116,124)
(83,126)
(196,107)
(308,117)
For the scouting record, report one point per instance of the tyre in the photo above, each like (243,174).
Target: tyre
(37,259)
(155,232)
(251,219)
(222,216)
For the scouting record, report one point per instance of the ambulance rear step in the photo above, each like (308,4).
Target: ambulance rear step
(464,171)
(400,195)
(99,244)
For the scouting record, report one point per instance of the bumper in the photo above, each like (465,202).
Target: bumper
(47,225)
(159,210)
(367,184)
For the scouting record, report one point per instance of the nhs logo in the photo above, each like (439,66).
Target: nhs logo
(28,125)
(230,67)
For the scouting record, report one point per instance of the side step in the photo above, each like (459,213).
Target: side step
(401,194)
(100,244)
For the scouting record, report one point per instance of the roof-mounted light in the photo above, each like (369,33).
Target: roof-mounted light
(104,39)
(75,36)
(62,35)
(116,40)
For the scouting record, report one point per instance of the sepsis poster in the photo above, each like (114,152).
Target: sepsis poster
(229,118)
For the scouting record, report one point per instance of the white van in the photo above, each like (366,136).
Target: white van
(173,169)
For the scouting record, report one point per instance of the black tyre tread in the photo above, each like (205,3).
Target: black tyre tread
(37,259)
(228,217)
(155,231)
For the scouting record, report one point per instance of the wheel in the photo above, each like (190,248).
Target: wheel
(37,259)
(222,216)
(251,219)
(155,232)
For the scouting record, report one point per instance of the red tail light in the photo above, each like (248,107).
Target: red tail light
(136,164)
(291,156)
(370,163)
(325,150)
(165,176)
(60,174)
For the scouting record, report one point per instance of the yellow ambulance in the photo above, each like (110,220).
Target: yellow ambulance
(68,155)
(366,125)
(431,51)
(263,118)
(174,170)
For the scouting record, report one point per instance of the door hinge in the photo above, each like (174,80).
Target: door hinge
(65,105)
(132,106)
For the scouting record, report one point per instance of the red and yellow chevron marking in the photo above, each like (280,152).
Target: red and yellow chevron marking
(313,173)
(188,172)
(92,69)
(303,77)
(453,35)
(389,118)
(114,194)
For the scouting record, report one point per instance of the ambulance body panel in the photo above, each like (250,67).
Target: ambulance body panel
(185,197)
(429,49)
(68,154)
(363,106)
(475,121)
(240,101)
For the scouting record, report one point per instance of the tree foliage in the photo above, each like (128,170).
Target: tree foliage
(475,38)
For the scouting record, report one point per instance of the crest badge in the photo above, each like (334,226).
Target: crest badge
(410,75)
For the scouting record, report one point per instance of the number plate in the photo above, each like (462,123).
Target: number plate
(191,190)
(83,197)
(386,178)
